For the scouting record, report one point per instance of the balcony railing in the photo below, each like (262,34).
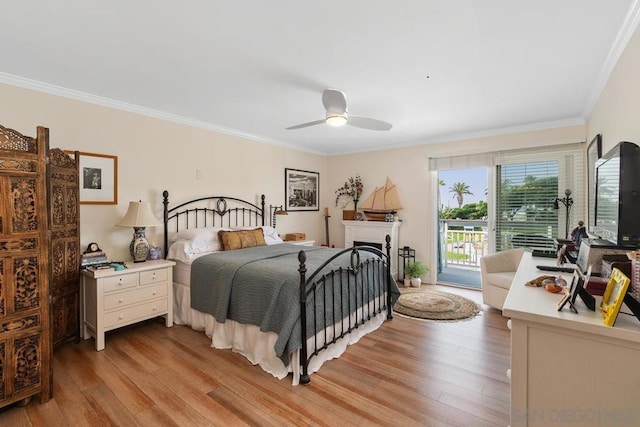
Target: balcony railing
(463,242)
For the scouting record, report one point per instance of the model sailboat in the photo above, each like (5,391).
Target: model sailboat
(382,204)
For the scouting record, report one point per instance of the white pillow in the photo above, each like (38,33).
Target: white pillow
(206,234)
(182,250)
(205,239)
(200,240)
(271,235)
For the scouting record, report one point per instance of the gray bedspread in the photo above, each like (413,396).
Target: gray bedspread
(260,286)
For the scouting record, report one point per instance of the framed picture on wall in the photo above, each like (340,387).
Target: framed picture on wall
(98,176)
(594,152)
(301,190)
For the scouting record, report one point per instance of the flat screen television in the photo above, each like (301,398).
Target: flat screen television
(617,195)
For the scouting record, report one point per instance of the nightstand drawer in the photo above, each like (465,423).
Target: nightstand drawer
(129,315)
(133,296)
(122,281)
(153,276)
(112,299)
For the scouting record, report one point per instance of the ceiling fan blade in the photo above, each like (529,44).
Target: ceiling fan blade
(304,125)
(368,123)
(334,101)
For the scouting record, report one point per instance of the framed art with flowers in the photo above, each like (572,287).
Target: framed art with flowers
(301,190)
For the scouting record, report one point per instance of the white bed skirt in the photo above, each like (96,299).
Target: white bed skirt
(257,346)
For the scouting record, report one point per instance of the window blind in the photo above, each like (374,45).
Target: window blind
(461,162)
(527,184)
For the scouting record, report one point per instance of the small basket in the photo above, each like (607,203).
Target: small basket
(619,261)
(349,215)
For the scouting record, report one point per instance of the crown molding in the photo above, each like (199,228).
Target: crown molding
(137,109)
(50,89)
(530,127)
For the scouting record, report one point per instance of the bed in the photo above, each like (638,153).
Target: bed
(237,281)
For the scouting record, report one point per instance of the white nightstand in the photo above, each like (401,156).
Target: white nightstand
(112,299)
(301,242)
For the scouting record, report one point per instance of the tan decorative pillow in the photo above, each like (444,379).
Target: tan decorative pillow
(238,239)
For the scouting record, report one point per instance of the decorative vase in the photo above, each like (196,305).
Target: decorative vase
(139,246)
(415,282)
(355,205)
(407,281)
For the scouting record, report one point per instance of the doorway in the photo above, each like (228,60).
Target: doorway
(462,213)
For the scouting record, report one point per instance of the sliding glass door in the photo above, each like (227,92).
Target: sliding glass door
(462,219)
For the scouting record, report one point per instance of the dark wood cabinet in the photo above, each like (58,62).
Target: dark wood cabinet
(25,331)
(64,213)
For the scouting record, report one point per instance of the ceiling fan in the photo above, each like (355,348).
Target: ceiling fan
(335,102)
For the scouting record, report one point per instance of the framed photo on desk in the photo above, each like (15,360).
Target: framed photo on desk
(613,296)
(568,296)
(580,288)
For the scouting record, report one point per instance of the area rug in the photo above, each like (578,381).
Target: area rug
(435,306)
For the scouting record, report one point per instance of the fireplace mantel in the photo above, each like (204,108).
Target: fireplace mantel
(374,232)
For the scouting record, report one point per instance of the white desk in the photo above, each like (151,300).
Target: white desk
(568,368)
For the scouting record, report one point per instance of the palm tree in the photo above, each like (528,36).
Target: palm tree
(459,189)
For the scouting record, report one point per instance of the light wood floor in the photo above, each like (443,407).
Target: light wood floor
(408,372)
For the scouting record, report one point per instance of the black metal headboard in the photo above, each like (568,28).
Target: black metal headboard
(211,211)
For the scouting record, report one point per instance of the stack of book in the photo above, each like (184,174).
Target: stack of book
(95,260)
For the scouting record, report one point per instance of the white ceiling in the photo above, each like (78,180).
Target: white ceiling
(437,70)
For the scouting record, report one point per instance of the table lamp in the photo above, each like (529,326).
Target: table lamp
(139,216)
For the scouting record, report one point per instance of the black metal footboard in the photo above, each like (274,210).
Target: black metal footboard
(342,299)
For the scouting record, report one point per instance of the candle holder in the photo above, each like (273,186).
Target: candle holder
(567,201)
(408,255)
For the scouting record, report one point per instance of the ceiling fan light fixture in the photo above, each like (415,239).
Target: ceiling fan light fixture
(335,105)
(336,120)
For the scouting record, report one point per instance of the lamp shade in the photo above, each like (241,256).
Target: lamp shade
(139,214)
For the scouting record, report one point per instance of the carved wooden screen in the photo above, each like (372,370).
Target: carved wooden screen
(25,340)
(62,183)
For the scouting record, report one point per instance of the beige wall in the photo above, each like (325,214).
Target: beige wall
(616,116)
(617,113)
(408,169)
(156,155)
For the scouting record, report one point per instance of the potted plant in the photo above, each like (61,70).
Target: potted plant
(352,189)
(415,270)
